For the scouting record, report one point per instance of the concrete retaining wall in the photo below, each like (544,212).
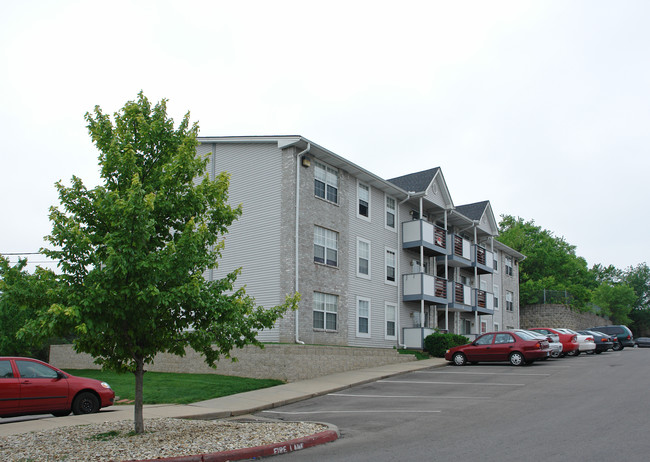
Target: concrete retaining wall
(275,361)
(558,316)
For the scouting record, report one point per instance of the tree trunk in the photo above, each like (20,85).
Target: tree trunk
(138,416)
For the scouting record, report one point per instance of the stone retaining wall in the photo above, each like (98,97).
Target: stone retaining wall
(558,316)
(275,361)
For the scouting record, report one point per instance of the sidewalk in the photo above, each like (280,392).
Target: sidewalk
(233,405)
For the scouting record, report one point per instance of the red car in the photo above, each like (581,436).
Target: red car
(518,348)
(30,386)
(569,342)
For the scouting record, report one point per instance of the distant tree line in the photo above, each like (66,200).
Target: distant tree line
(551,267)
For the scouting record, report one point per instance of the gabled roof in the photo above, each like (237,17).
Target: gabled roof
(473,211)
(416,182)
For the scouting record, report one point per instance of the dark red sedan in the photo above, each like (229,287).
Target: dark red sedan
(30,386)
(517,348)
(569,342)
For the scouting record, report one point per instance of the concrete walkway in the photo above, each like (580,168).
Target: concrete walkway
(228,406)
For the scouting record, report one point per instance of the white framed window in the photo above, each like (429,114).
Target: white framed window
(326,309)
(495,288)
(391,322)
(391,213)
(510,306)
(326,182)
(363,199)
(363,317)
(483,327)
(509,270)
(326,246)
(391,266)
(363,258)
(496,327)
(495,261)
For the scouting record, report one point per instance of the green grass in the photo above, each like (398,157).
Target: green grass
(418,354)
(168,388)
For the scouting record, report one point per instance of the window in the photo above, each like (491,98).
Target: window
(363,317)
(483,327)
(363,193)
(5,370)
(326,307)
(363,258)
(495,261)
(509,301)
(32,370)
(391,322)
(390,265)
(496,326)
(495,288)
(326,245)
(509,266)
(326,182)
(390,212)
(485,340)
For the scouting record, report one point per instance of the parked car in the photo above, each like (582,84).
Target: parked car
(625,337)
(569,341)
(30,386)
(517,348)
(553,341)
(603,341)
(642,342)
(586,343)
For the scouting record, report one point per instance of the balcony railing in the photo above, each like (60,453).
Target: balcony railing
(483,301)
(461,252)
(418,233)
(421,286)
(483,260)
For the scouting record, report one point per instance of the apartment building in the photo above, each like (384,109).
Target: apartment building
(378,263)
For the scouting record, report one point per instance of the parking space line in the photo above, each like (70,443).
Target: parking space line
(454,383)
(482,373)
(406,411)
(407,396)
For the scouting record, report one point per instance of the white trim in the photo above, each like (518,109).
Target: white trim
(497,297)
(365,241)
(363,334)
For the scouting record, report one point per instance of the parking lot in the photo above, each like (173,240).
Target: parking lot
(590,406)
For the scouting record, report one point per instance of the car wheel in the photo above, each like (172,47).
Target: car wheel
(573,353)
(85,403)
(617,347)
(459,359)
(61,413)
(556,354)
(517,359)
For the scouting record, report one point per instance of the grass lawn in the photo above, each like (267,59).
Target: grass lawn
(168,388)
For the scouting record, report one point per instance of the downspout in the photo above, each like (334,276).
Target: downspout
(296,251)
(398,276)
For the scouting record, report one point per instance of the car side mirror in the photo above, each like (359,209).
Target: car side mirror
(60,375)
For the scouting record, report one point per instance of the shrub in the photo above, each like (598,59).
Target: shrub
(437,344)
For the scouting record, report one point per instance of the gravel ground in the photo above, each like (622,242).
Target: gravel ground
(162,438)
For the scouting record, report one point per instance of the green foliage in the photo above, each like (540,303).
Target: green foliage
(22,295)
(551,263)
(638,278)
(134,249)
(437,344)
(419,355)
(615,301)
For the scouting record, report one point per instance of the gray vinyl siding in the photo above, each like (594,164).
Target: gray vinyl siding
(375,289)
(254,241)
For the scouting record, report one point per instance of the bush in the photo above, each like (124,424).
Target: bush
(437,344)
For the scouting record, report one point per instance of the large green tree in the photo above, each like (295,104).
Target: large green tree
(134,249)
(615,301)
(22,295)
(551,262)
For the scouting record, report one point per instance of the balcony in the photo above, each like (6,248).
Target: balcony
(461,299)
(482,259)
(461,252)
(482,301)
(421,286)
(421,233)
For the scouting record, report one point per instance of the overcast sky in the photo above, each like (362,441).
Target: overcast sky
(543,108)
